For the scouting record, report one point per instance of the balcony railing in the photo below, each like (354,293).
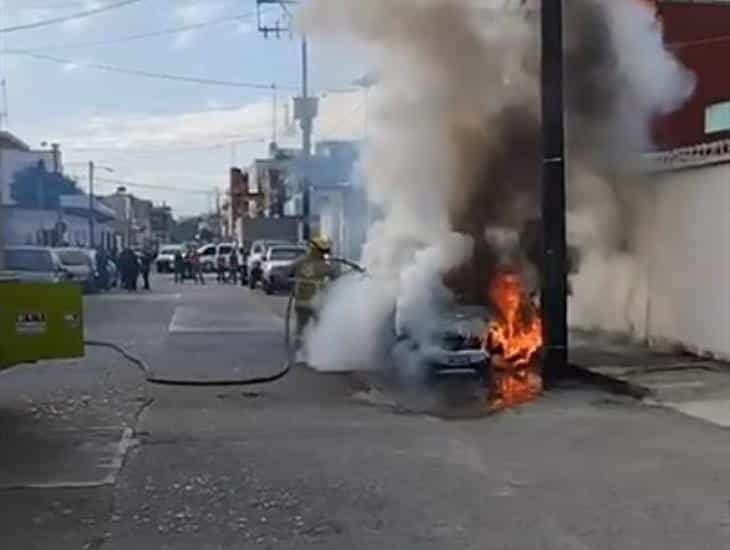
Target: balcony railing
(702,154)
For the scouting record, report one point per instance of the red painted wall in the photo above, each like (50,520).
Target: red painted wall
(699,35)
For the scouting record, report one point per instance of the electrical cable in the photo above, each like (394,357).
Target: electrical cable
(66,18)
(290,353)
(162,149)
(145,35)
(146,74)
(114,181)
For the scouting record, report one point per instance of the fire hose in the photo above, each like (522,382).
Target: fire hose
(150,378)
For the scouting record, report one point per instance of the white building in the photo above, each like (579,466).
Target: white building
(67,222)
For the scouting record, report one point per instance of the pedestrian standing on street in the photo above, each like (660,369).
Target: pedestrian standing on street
(221,268)
(102,268)
(233,265)
(198,276)
(129,266)
(179,266)
(145,266)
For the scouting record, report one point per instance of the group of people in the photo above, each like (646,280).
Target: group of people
(190,266)
(131,265)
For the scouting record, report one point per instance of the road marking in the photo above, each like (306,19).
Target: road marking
(84,462)
(198,320)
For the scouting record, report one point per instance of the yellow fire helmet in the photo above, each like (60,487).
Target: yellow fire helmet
(322,243)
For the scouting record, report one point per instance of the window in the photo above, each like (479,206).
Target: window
(717,117)
(225,250)
(286,253)
(73,257)
(28,260)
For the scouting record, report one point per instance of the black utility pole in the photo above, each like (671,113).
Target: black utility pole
(306,124)
(305,106)
(554,284)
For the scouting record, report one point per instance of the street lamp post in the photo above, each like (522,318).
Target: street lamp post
(91,205)
(554,284)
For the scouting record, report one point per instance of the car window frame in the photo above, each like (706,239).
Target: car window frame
(53,264)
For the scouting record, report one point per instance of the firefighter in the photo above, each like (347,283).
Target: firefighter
(313,272)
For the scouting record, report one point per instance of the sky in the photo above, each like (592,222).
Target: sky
(158,132)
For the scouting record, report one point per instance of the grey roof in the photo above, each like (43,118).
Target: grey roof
(9,141)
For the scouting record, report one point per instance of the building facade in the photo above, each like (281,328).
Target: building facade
(161,224)
(133,219)
(685,223)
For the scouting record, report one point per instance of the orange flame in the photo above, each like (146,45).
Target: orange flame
(513,340)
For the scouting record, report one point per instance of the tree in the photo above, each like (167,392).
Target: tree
(35,187)
(185,230)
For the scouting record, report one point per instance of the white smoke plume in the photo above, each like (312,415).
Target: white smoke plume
(453,159)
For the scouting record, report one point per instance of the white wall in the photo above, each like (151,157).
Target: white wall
(21,227)
(689,267)
(13,161)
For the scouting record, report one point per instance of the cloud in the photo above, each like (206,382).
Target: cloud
(190,14)
(199,11)
(245,27)
(342,116)
(190,150)
(193,129)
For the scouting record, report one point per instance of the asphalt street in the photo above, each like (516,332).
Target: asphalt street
(92,457)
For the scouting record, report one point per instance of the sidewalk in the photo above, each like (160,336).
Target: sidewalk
(692,385)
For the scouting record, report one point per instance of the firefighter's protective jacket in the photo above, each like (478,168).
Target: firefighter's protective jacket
(313,273)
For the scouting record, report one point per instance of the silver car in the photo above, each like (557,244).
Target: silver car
(453,344)
(79,264)
(279,263)
(38,264)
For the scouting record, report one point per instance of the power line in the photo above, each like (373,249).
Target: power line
(71,17)
(46,6)
(142,36)
(161,150)
(147,74)
(342,120)
(155,187)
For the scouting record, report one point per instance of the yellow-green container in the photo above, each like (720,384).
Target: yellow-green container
(39,321)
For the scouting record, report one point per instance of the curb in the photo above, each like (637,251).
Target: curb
(614,385)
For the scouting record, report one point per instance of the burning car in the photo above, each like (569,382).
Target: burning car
(453,345)
(500,343)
